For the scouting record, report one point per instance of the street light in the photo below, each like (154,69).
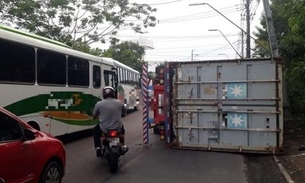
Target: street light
(227,40)
(223,54)
(196,4)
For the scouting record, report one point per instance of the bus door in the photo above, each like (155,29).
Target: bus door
(97,86)
(111,78)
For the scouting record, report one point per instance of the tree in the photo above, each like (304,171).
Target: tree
(129,53)
(151,75)
(77,23)
(280,24)
(293,42)
(289,22)
(262,38)
(288,18)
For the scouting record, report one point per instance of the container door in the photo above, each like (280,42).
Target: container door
(228,105)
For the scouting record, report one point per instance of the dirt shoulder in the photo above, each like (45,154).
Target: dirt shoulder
(294,143)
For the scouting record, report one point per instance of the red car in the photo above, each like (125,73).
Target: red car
(28,155)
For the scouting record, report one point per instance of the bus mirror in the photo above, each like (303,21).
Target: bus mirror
(116,80)
(114,70)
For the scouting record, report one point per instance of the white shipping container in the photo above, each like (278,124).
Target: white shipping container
(227,105)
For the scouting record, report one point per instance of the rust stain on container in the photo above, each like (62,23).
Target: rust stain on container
(209,90)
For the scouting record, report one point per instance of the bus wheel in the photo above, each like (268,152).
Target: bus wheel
(135,108)
(125,113)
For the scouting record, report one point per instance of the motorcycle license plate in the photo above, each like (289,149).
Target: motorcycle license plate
(114,141)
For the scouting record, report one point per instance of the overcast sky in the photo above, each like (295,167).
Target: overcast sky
(183,28)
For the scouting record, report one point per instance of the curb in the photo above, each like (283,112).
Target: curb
(283,170)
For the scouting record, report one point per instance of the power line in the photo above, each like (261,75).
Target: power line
(177,37)
(208,14)
(229,8)
(217,49)
(170,2)
(202,54)
(194,17)
(182,47)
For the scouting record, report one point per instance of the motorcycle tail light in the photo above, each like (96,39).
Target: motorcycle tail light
(113,133)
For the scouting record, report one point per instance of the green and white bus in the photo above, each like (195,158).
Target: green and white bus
(128,86)
(50,85)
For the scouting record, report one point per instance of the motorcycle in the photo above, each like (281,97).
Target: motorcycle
(113,148)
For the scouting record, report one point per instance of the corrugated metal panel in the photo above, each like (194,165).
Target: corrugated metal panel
(232,105)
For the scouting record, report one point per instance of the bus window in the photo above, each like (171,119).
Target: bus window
(128,77)
(109,78)
(133,78)
(138,81)
(78,72)
(17,63)
(120,75)
(51,68)
(96,76)
(124,76)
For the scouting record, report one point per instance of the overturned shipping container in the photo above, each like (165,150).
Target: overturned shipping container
(226,105)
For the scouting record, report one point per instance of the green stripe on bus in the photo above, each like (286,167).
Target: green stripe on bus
(91,122)
(55,101)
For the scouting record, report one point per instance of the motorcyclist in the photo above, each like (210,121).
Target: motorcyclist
(109,113)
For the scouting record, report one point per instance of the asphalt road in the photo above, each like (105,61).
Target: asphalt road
(157,163)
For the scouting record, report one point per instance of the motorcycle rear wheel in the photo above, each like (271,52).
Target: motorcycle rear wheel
(113,162)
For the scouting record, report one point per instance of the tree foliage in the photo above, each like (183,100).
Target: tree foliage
(77,23)
(293,42)
(129,53)
(151,74)
(289,22)
(280,24)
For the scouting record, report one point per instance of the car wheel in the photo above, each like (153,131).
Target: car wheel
(52,173)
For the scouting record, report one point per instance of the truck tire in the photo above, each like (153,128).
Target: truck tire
(156,130)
